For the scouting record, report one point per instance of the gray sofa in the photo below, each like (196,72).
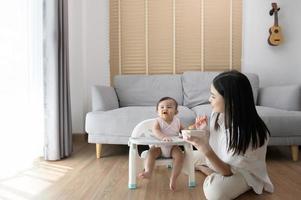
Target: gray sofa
(116,111)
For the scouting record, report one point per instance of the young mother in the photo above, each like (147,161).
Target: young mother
(232,153)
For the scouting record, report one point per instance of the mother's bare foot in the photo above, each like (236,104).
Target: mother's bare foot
(144,174)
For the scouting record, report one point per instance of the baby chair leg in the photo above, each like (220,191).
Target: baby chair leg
(189,159)
(132,167)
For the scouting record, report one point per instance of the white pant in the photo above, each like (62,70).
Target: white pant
(218,187)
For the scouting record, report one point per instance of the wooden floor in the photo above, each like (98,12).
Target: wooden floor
(82,176)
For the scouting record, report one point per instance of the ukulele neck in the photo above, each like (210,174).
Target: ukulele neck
(276,18)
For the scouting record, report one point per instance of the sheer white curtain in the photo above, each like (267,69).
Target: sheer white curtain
(21,83)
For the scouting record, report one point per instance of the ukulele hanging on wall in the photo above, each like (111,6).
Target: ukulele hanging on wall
(275,37)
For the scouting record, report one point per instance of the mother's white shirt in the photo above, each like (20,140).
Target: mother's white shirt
(251,165)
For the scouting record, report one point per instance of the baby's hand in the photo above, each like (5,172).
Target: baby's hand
(201,122)
(166,139)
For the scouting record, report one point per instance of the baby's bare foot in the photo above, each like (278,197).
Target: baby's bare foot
(172,184)
(144,174)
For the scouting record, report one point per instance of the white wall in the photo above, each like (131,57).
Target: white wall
(275,65)
(76,64)
(89,43)
(89,56)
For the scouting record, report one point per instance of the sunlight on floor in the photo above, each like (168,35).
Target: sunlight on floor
(21,140)
(33,181)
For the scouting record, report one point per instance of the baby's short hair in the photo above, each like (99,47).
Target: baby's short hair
(167,98)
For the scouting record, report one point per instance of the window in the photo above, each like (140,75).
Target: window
(21,84)
(173,36)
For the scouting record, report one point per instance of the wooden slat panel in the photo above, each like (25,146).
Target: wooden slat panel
(188,35)
(237,34)
(160,36)
(221,44)
(216,34)
(132,36)
(114,41)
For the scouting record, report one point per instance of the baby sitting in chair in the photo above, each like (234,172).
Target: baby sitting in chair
(166,126)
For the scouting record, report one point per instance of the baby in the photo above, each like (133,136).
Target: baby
(166,126)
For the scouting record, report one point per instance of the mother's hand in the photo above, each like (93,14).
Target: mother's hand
(201,142)
(201,122)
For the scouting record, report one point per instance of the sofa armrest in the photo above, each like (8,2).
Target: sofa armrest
(284,97)
(104,98)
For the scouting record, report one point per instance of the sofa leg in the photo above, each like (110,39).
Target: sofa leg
(295,152)
(98,150)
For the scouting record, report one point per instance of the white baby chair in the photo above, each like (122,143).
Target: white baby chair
(142,135)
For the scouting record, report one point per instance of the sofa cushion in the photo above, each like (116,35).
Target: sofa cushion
(196,87)
(273,118)
(254,80)
(288,97)
(281,123)
(201,110)
(104,98)
(120,122)
(143,90)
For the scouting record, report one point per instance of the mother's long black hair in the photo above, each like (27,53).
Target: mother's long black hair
(241,118)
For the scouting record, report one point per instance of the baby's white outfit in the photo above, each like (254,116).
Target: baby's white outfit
(171,129)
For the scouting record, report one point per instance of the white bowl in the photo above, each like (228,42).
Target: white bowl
(194,133)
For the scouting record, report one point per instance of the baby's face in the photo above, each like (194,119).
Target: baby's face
(167,109)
